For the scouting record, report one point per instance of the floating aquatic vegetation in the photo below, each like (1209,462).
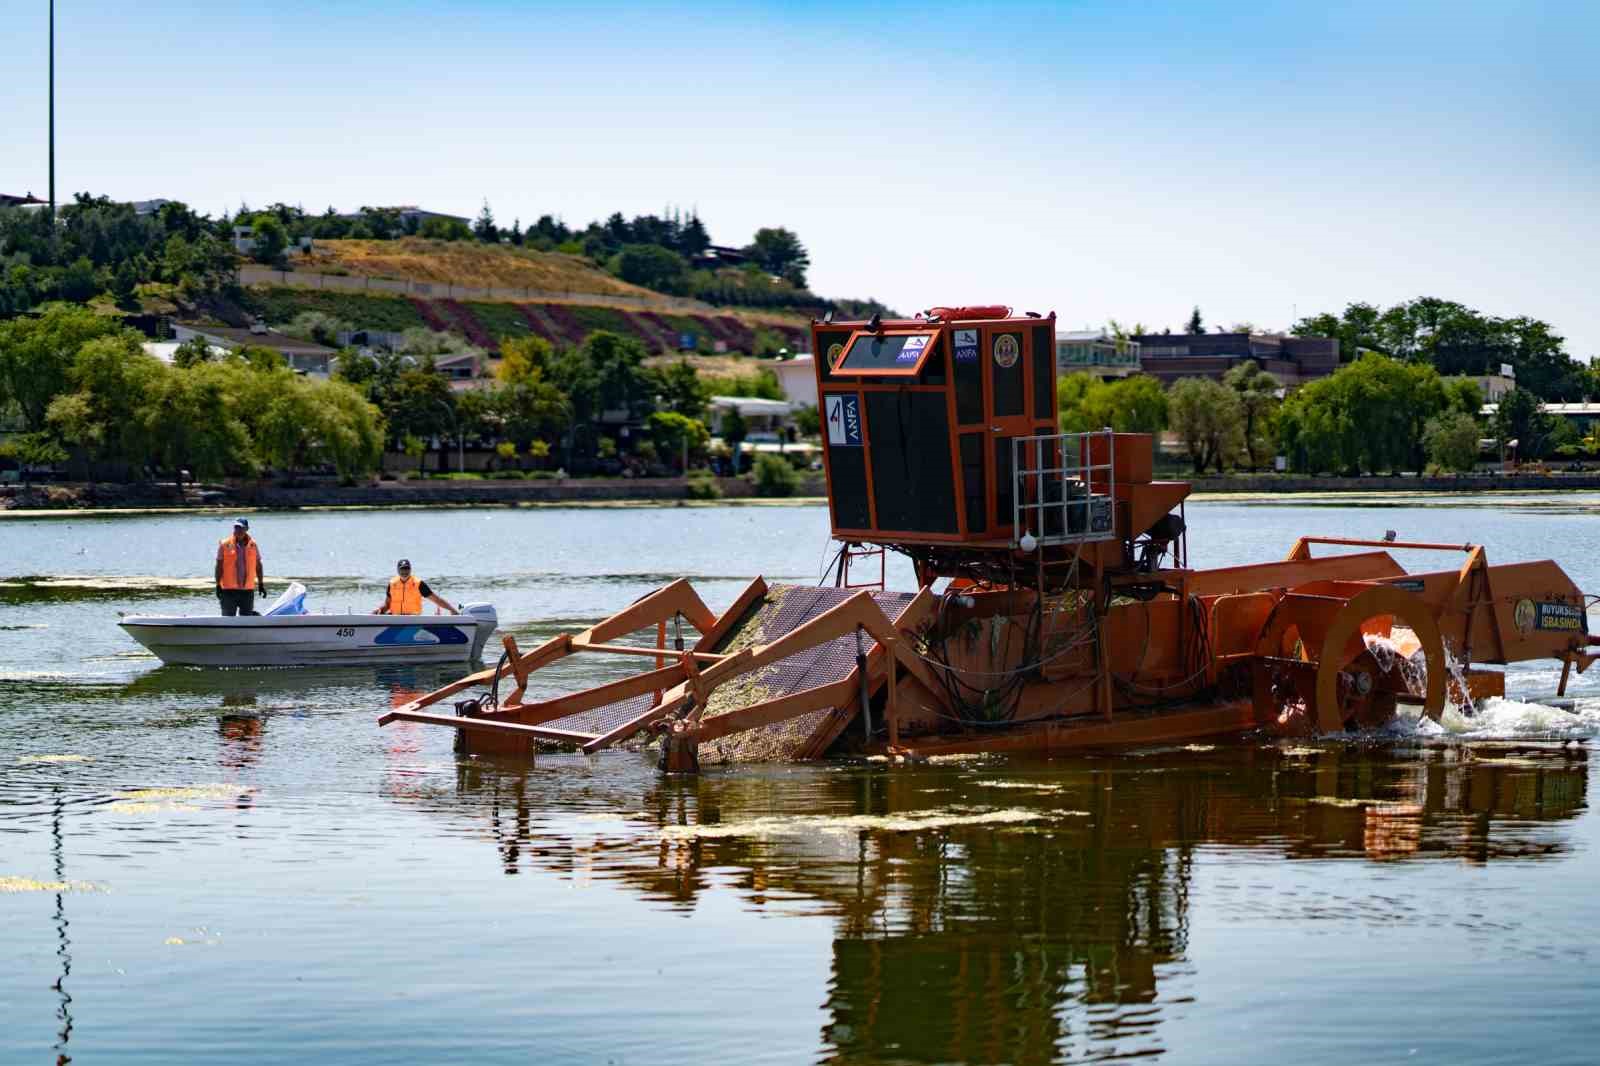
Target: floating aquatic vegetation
(849,824)
(126,807)
(28,884)
(216,791)
(152,800)
(36,760)
(1034,786)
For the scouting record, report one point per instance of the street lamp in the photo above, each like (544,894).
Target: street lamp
(455,422)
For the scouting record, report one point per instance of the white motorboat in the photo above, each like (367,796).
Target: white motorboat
(286,636)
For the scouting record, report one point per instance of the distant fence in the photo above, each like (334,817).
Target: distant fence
(434,290)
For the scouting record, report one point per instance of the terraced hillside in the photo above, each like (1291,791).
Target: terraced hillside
(563,325)
(465,263)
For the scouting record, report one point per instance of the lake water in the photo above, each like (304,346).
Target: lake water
(239,866)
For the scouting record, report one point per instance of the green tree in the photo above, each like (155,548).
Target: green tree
(779,251)
(1463,395)
(1370,414)
(444,229)
(1456,340)
(620,380)
(190,423)
(34,450)
(309,422)
(109,378)
(734,431)
(808,421)
(531,409)
(1520,419)
(1209,419)
(678,436)
(1258,397)
(652,266)
(681,389)
(1196,324)
(1451,440)
(524,359)
(36,357)
(484,228)
(269,237)
(1135,404)
(763,385)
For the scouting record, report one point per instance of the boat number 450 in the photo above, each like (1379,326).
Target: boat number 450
(346,631)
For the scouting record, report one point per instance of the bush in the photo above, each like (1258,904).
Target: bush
(702,486)
(774,476)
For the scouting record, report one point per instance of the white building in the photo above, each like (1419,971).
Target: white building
(798,378)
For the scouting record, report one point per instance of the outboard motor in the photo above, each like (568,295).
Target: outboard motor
(487,619)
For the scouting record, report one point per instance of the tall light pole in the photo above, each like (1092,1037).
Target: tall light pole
(52,119)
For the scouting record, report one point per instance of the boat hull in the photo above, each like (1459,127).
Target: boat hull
(313,640)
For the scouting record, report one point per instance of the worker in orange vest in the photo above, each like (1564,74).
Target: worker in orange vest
(239,576)
(406,593)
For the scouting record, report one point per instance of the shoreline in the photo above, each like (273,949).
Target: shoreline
(64,501)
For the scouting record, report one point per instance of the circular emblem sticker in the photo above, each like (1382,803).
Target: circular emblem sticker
(1006,351)
(1523,616)
(834,352)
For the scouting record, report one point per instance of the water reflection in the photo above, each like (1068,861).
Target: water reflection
(63,943)
(1046,932)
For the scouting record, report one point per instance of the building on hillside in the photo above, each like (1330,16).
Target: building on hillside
(244,242)
(149,207)
(462,369)
(1495,386)
(166,350)
(303,357)
(720,255)
(1292,360)
(1096,352)
(1583,416)
(25,200)
(798,379)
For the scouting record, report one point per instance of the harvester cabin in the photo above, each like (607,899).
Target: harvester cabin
(921,417)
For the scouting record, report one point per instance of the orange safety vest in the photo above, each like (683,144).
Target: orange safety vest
(405,595)
(229,551)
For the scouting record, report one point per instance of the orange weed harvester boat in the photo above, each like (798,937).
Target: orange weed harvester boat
(1056,607)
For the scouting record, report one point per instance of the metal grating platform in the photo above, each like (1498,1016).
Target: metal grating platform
(784,609)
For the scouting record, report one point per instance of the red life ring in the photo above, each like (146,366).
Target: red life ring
(959,314)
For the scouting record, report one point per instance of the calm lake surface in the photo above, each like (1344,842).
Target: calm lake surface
(208,865)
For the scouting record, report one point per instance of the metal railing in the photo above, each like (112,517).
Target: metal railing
(1063,487)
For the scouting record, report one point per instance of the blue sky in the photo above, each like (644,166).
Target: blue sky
(1099,159)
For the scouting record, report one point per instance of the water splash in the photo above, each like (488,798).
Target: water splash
(1501,719)
(1494,718)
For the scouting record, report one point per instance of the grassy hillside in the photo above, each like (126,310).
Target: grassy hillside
(466,263)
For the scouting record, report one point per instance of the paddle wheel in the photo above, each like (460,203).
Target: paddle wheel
(1056,607)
